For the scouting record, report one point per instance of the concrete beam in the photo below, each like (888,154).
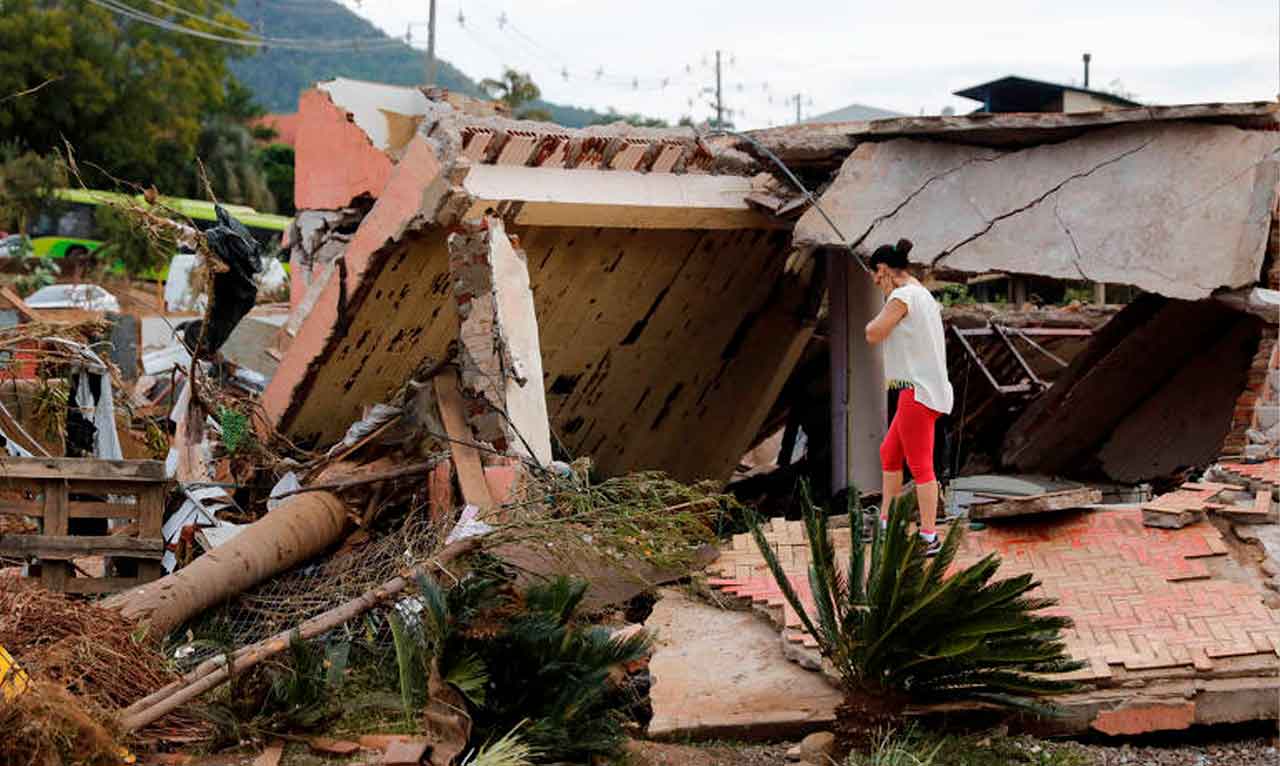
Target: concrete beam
(543,196)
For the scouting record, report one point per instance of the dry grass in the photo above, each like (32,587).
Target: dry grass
(95,654)
(49,725)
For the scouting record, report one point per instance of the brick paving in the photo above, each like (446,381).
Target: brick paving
(1141,598)
(1266,472)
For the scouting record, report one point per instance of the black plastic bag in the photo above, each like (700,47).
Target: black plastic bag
(235,291)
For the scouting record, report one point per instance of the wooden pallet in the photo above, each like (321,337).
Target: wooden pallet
(57,490)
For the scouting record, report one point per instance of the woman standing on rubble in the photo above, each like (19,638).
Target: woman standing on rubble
(915,362)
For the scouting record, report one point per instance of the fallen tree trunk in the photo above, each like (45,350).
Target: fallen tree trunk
(301,528)
(211,673)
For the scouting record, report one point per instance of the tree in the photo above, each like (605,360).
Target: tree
(128,96)
(898,629)
(515,89)
(633,118)
(27,183)
(277,163)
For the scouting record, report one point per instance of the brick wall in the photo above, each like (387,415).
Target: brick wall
(1254,428)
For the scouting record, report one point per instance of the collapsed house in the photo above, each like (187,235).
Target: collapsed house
(669,308)
(676,293)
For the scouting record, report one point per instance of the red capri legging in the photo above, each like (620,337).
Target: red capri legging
(910,436)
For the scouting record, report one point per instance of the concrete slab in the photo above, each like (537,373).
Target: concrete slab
(721,674)
(1138,204)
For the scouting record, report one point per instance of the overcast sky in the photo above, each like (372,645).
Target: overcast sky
(903,56)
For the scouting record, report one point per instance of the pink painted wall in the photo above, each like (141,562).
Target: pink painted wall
(336,162)
(398,202)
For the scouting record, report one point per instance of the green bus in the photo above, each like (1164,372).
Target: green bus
(69,228)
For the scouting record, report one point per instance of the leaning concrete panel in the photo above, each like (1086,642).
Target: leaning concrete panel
(662,349)
(1178,209)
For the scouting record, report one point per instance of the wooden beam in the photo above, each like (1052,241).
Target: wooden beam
(73,468)
(65,547)
(475,490)
(535,196)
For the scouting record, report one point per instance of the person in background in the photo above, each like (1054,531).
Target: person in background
(915,363)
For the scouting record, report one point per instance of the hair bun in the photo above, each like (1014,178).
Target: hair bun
(904,247)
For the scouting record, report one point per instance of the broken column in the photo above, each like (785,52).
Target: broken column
(499,356)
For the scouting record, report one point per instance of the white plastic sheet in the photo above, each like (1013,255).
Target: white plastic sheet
(85,297)
(178,295)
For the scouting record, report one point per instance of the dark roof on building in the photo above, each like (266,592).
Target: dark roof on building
(853,113)
(1022,94)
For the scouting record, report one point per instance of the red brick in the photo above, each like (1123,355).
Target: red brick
(1145,718)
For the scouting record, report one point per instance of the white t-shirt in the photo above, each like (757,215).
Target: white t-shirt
(916,350)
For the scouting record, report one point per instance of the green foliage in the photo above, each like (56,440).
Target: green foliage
(891,748)
(522,661)
(27,183)
(128,96)
(277,76)
(515,89)
(230,156)
(297,693)
(235,429)
(511,750)
(954,295)
(124,241)
(37,273)
(276,161)
(633,118)
(898,629)
(1079,294)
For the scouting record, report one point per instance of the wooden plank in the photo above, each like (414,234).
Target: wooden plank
(96,585)
(63,547)
(475,490)
(150,525)
(1046,503)
(53,574)
(81,468)
(85,509)
(34,508)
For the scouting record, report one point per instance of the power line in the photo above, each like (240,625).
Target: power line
(249,40)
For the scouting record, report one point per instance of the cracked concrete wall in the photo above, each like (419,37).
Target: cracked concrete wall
(1178,209)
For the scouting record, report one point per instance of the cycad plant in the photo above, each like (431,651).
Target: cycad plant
(523,662)
(900,630)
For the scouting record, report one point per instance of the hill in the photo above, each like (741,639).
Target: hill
(277,76)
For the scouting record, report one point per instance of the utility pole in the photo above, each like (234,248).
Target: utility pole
(431,45)
(798,98)
(719,95)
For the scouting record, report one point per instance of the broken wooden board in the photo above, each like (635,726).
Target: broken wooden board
(461,442)
(1029,505)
